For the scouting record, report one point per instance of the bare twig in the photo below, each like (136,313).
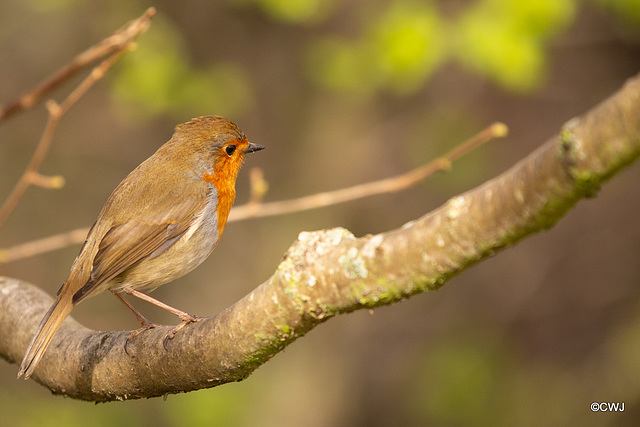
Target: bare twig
(254,208)
(44,245)
(52,182)
(388,185)
(116,42)
(114,46)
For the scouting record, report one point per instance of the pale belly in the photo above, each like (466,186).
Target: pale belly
(187,253)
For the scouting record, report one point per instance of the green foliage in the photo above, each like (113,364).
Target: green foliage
(159,78)
(409,43)
(338,64)
(296,11)
(399,51)
(396,49)
(504,39)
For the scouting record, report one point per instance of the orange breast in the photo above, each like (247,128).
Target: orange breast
(225,182)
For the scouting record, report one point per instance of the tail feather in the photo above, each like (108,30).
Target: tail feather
(49,325)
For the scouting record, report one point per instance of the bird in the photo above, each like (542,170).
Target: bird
(162,221)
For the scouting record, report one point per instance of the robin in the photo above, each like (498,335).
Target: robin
(160,222)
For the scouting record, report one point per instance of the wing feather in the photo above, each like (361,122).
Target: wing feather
(125,244)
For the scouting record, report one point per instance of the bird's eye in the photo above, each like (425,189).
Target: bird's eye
(230,149)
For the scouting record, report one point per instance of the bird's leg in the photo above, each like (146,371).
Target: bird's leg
(144,322)
(184,316)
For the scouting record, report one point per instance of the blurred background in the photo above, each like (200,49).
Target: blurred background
(341,93)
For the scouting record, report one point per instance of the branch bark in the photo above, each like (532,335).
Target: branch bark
(330,272)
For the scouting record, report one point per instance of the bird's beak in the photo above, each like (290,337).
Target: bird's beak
(253,147)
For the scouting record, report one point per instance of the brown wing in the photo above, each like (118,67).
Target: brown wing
(127,243)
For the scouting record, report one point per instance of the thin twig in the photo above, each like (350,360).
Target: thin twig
(116,42)
(125,38)
(43,181)
(55,114)
(255,208)
(40,246)
(388,185)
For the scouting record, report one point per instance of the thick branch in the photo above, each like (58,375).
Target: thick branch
(331,272)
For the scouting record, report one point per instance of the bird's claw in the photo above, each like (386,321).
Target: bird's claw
(185,321)
(137,332)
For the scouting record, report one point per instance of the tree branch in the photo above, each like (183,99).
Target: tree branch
(330,272)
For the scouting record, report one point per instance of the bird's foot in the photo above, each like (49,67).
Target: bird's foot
(133,334)
(186,319)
